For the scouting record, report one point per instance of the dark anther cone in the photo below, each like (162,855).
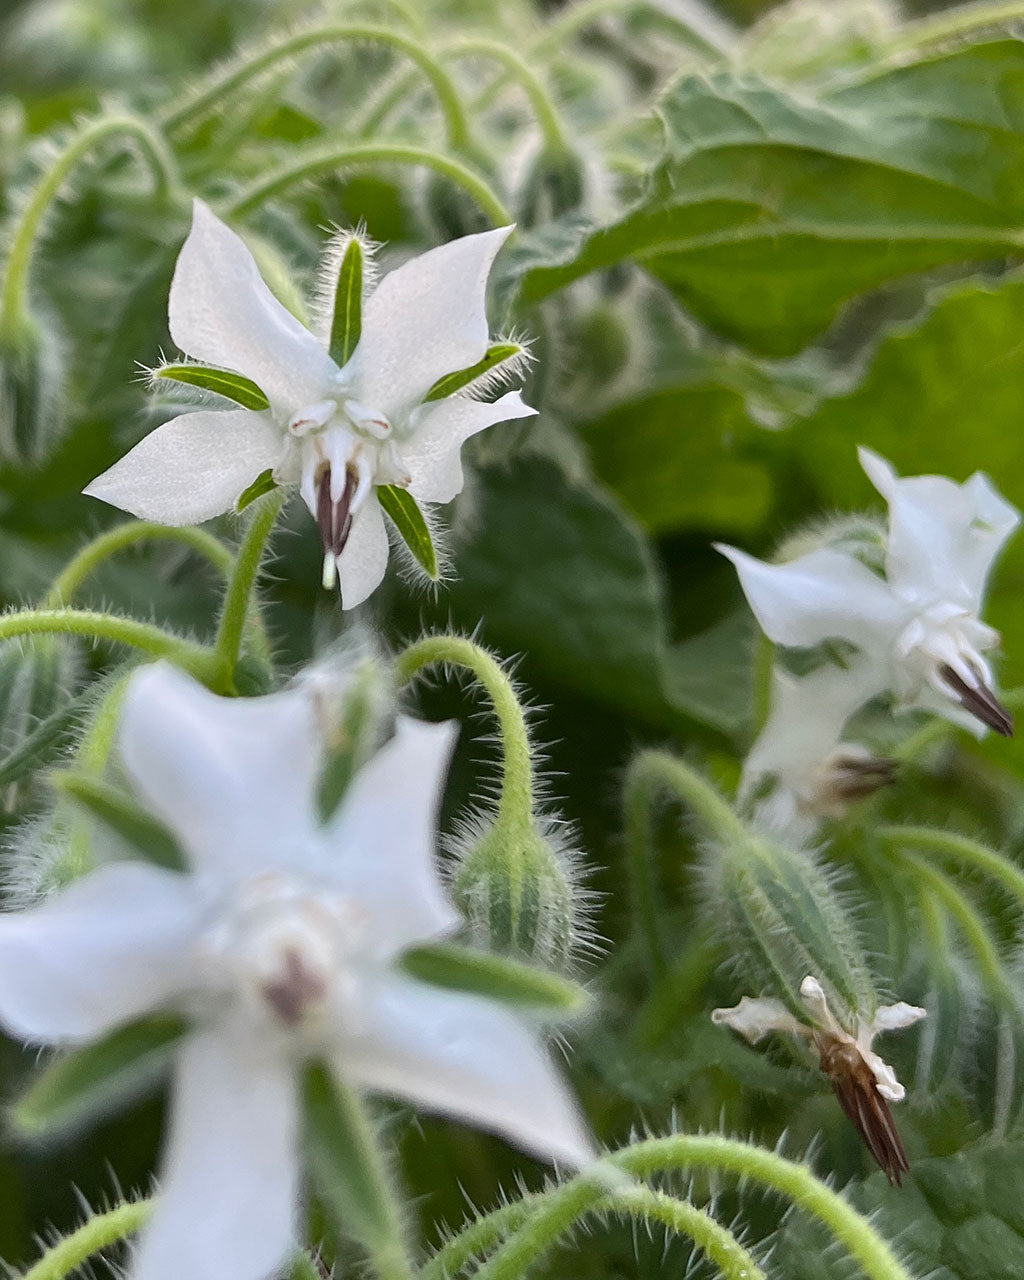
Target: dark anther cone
(868,1112)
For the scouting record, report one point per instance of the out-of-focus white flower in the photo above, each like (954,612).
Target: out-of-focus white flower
(338,433)
(919,624)
(281,944)
(863,1082)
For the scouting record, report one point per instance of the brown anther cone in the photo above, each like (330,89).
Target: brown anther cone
(869,1113)
(290,993)
(980,702)
(334,519)
(861,777)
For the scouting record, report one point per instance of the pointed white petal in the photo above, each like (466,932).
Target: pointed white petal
(824,595)
(813,995)
(233,777)
(425,320)
(222,312)
(385,836)
(885,1078)
(755,1019)
(362,564)
(111,947)
(894,1017)
(432,452)
(465,1057)
(192,468)
(229,1182)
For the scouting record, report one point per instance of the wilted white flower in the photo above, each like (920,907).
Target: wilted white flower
(281,944)
(338,433)
(863,1082)
(919,624)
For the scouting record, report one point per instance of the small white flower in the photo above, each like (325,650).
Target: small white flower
(281,943)
(919,624)
(863,1082)
(337,433)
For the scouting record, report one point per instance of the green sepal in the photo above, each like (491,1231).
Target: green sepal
(347,317)
(408,519)
(351,741)
(264,483)
(77,1085)
(232,386)
(452,382)
(119,812)
(445,964)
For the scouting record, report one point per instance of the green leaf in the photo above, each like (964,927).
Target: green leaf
(263,484)
(220,381)
(445,964)
(770,209)
(347,317)
(146,834)
(78,1084)
(408,519)
(497,354)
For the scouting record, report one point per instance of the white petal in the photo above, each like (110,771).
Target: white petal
(943,537)
(424,320)
(813,995)
(234,777)
(111,947)
(192,468)
(893,1017)
(755,1019)
(468,1058)
(885,1078)
(222,312)
(432,452)
(228,1203)
(362,564)
(385,836)
(824,595)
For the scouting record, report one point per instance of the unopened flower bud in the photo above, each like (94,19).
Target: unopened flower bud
(36,677)
(554,185)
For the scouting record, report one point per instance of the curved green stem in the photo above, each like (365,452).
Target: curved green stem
(104,626)
(961,849)
(236,77)
(236,610)
(956,22)
(516,796)
(518,69)
(128,535)
(99,1232)
(22,242)
(368,153)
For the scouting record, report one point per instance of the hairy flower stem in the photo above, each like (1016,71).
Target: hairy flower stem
(93,625)
(99,1232)
(516,796)
(238,599)
(22,241)
(651,773)
(523,74)
(129,535)
(230,81)
(331,158)
(961,849)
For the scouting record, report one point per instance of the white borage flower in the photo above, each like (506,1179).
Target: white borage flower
(339,433)
(281,943)
(919,623)
(801,769)
(863,1081)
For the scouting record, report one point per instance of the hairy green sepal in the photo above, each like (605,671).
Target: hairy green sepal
(119,812)
(456,968)
(347,317)
(407,518)
(222,382)
(452,382)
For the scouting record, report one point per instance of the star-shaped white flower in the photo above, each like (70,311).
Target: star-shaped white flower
(919,624)
(281,944)
(338,433)
(863,1081)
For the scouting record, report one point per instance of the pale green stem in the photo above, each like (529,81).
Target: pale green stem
(238,599)
(519,70)
(104,626)
(100,1232)
(651,773)
(235,78)
(22,242)
(306,166)
(128,535)
(961,849)
(961,21)
(516,796)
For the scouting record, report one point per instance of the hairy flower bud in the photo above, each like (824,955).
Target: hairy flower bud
(554,185)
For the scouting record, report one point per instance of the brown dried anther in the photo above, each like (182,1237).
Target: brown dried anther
(855,1086)
(980,701)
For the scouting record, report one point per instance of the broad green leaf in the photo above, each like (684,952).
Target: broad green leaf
(118,811)
(233,386)
(82,1082)
(347,317)
(770,209)
(445,964)
(407,517)
(452,382)
(264,483)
